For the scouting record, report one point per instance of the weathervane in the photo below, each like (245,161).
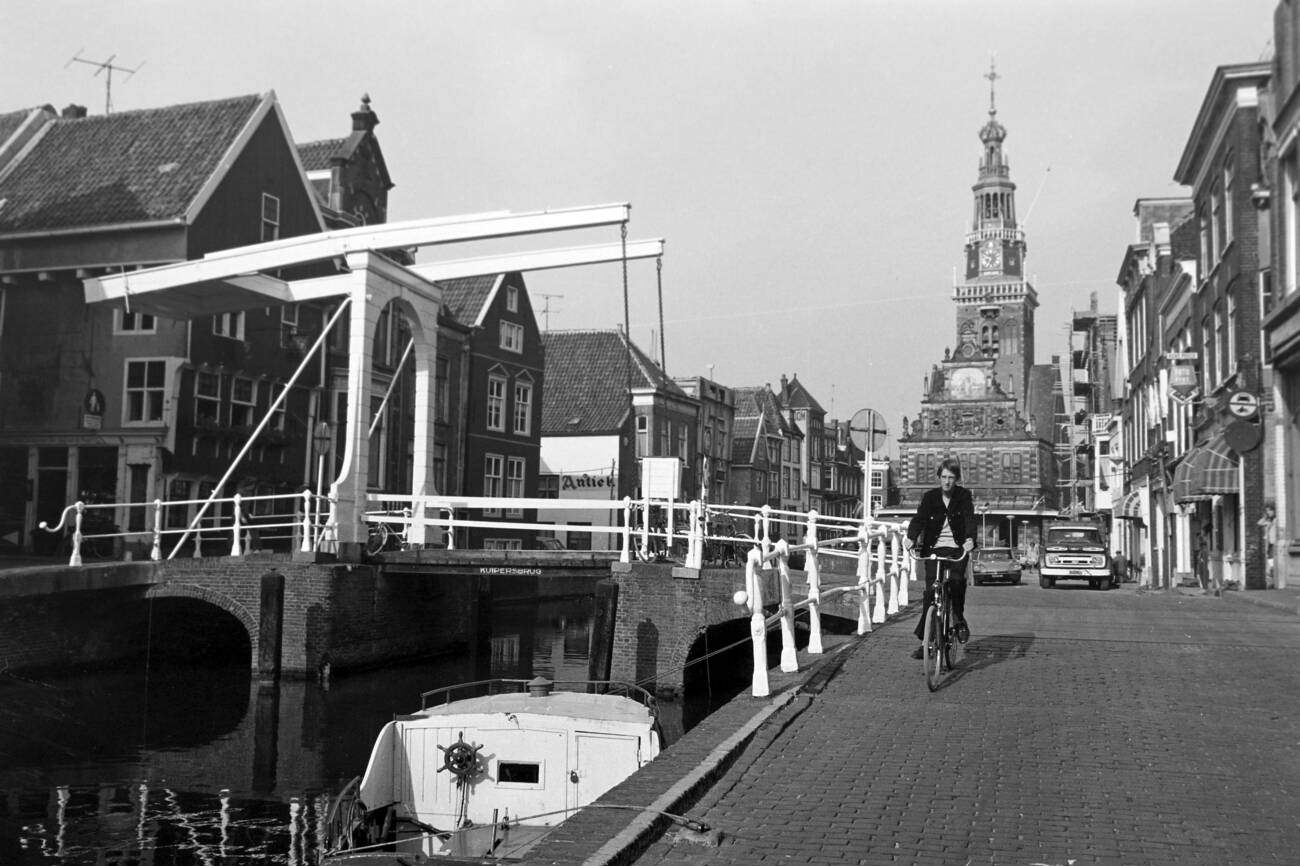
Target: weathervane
(992,76)
(104,66)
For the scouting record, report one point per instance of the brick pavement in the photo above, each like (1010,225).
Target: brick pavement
(1084,727)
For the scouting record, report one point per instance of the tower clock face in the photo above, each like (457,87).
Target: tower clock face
(991,256)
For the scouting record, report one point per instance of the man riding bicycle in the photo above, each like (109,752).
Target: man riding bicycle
(944,525)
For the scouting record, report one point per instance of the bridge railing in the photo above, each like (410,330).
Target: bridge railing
(298,520)
(882,570)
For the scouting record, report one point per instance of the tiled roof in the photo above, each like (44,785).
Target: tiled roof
(760,401)
(10,121)
(742,440)
(464,297)
(131,166)
(587,378)
(315,155)
(797,396)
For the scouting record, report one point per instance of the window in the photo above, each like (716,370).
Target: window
(512,773)
(207,399)
(1232,333)
(133,323)
(440,467)
(548,487)
(1220,343)
(145,392)
(642,436)
(989,340)
(243,402)
(274,390)
(1216,224)
(523,408)
(785,482)
(1203,223)
(496,403)
(663,433)
(229,325)
(512,299)
(515,484)
(578,539)
(1290,222)
(512,337)
(270,217)
(503,544)
(1207,341)
(1228,177)
(877,479)
(1012,468)
(289,314)
(683,449)
(442,389)
(493,469)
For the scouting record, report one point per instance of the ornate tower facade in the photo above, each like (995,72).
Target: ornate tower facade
(995,302)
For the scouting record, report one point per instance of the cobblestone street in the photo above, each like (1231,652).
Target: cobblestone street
(1082,728)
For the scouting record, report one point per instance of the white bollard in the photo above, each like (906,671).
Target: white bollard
(757,625)
(626,554)
(235,542)
(878,612)
(789,657)
(814,588)
(308,541)
(894,547)
(864,582)
(156,552)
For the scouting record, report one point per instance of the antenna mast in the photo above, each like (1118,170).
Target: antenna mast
(104,66)
(546,309)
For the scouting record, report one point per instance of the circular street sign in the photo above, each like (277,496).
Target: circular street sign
(1243,404)
(867,430)
(1241,436)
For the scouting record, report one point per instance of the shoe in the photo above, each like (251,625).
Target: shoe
(918,653)
(963,633)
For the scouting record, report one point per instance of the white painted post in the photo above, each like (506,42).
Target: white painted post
(765,516)
(626,555)
(906,567)
(878,612)
(695,538)
(156,553)
(864,581)
(451,527)
(307,540)
(75,559)
(814,587)
(670,511)
(757,625)
(894,547)
(415,534)
(645,528)
(789,657)
(235,545)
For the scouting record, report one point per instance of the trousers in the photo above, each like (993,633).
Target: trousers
(955,574)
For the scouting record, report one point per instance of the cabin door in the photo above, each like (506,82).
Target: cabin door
(601,761)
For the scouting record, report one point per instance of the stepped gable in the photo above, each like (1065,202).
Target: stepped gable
(131,166)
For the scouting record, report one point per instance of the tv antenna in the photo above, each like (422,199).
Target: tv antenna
(546,309)
(109,67)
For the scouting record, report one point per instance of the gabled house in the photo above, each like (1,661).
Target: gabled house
(110,404)
(801,409)
(349,175)
(488,426)
(764,454)
(607,406)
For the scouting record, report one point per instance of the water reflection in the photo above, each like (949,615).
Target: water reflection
(189,765)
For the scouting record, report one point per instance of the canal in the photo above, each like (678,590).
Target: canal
(192,761)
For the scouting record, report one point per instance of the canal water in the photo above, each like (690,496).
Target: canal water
(178,764)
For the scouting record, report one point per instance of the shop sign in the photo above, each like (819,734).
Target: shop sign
(584,481)
(92,410)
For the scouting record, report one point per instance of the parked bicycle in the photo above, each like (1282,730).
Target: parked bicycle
(384,535)
(939,644)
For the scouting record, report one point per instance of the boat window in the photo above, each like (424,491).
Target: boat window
(519,773)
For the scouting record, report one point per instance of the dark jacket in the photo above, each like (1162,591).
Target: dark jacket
(926,525)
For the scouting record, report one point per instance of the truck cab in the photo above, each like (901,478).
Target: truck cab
(1076,551)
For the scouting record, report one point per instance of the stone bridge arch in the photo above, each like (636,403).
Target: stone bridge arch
(215,598)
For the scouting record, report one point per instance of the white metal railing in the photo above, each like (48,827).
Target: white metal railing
(881,566)
(303,525)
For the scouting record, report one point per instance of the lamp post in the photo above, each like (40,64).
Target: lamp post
(983,510)
(321,439)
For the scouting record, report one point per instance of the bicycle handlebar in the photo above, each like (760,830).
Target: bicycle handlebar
(912,553)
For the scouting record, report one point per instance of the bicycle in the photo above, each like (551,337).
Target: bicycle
(387,536)
(939,644)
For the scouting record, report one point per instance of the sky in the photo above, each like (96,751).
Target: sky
(808,164)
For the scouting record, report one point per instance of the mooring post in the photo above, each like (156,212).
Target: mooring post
(270,633)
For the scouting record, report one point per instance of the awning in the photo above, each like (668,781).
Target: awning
(1208,469)
(1130,507)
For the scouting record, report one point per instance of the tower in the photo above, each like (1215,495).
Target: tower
(995,302)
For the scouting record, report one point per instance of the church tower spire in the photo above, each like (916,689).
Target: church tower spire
(995,304)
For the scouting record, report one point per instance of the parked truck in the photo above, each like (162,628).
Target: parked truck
(1076,551)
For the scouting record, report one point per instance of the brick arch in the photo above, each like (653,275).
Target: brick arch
(216,599)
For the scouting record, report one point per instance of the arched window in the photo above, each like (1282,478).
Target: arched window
(989,339)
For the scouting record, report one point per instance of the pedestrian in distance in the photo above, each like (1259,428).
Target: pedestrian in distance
(944,525)
(1120,564)
(1268,532)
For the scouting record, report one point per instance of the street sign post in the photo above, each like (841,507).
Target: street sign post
(867,430)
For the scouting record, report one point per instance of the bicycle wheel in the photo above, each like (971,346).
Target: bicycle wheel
(933,650)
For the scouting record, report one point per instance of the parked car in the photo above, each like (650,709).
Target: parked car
(996,563)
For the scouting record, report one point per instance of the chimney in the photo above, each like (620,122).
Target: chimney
(363,119)
(73,111)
